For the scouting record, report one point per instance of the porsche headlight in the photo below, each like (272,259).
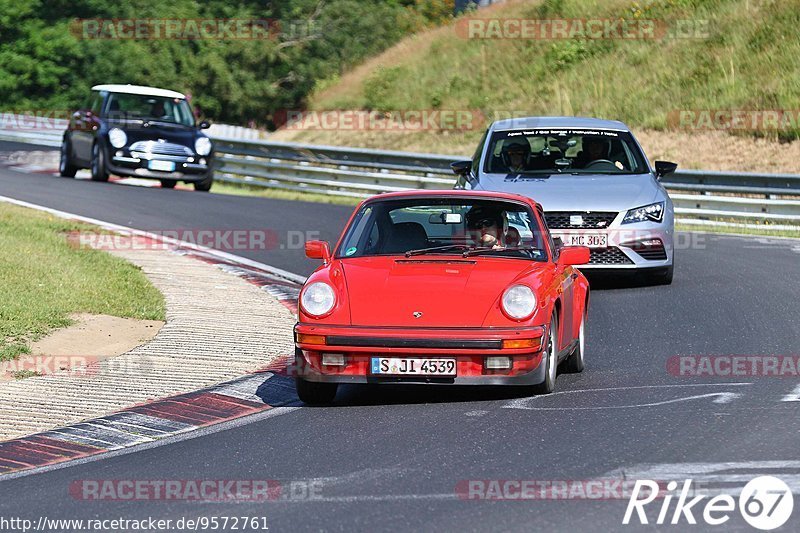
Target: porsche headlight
(117,137)
(519,302)
(202,146)
(318,298)
(654,212)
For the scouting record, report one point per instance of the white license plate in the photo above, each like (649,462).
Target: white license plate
(408,366)
(592,240)
(166,166)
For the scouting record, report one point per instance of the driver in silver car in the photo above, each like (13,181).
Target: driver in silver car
(593,149)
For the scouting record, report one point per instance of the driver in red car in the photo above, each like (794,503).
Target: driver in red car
(487,226)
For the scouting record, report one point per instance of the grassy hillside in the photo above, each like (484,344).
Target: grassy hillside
(742,56)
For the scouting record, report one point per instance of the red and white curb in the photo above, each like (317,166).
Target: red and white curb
(147,423)
(152,421)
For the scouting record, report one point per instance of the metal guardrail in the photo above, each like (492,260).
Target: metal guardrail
(700,197)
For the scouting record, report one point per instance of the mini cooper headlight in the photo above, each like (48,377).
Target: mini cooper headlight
(519,302)
(654,212)
(202,146)
(117,137)
(318,298)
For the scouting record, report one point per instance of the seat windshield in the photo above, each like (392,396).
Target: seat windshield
(549,151)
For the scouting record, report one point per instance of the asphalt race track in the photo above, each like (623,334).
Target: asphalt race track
(392,458)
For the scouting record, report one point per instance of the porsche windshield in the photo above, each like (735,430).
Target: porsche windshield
(124,106)
(444,226)
(550,151)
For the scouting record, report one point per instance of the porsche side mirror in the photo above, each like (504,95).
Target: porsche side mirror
(573,255)
(318,250)
(665,167)
(461,168)
(205,125)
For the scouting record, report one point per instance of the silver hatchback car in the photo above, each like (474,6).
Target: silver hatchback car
(594,182)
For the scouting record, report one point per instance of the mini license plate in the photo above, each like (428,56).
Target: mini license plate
(413,366)
(166,166)
(592,240)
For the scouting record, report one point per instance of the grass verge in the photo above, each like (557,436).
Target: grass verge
(280,194)
(44,279)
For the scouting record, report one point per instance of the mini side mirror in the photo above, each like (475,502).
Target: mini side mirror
(204,125)
(318,250)
(665,167)
(573,255)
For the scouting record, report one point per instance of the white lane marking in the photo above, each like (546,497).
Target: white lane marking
(522,403)
(793,396)
(225,256)
(720,397)
(709,477)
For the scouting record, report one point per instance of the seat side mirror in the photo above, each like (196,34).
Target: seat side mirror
(665,167)
(461,168)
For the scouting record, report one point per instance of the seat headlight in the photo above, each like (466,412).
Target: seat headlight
(318,298)
(519,302)
(653,212)
(202,145)
(117,137)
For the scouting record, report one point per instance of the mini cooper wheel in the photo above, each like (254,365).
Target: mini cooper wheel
(65,166)
(205,185)
(99,171)
(314,393)
(575,362)
(550,360)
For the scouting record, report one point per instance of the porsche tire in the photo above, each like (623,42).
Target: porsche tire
(575,362)
(313,393)
(550,360)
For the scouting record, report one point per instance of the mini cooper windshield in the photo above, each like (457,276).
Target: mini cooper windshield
(561,150)
(450,226)
(123,106)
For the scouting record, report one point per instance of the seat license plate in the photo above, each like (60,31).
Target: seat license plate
(592,240)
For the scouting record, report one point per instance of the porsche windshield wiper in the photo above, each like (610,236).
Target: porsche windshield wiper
(422,251)
(479,251)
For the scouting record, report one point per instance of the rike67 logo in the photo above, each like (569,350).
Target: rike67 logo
(766,503)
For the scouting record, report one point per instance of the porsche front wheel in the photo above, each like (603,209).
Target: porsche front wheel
(550,360)
(575,362)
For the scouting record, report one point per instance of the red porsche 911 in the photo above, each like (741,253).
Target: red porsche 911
(444,287)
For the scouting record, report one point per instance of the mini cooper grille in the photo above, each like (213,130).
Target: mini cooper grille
(608,256)
(590,220)
(158,148)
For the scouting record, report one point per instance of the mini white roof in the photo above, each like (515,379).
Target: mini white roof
(139,89)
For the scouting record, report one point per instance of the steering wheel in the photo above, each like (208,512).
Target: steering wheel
(600,163)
